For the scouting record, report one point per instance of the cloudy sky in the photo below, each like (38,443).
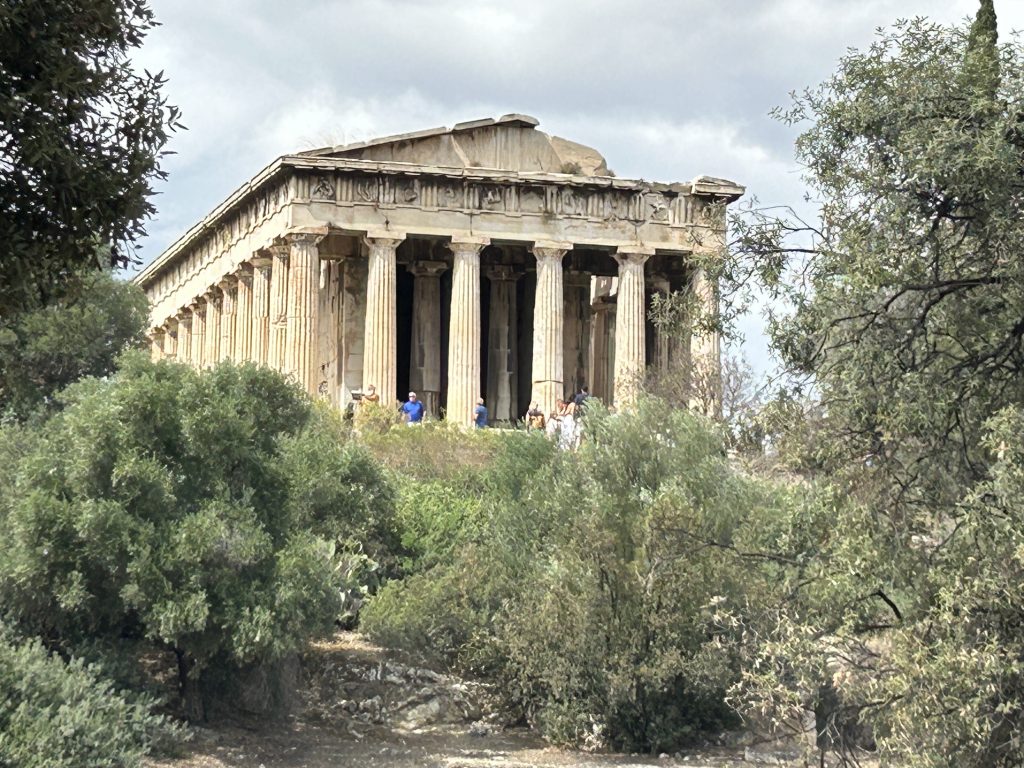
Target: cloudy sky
(665,89)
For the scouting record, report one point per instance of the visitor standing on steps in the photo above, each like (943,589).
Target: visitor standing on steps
(412,409)
(480,414)
(371,395)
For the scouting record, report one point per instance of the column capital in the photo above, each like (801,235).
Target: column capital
(245,273)
(308,239)
(228,282)
(213,293)
(383,239)
(577,279)
(548,250)
(503,272)
(427,268)
(462,246)
(633,254)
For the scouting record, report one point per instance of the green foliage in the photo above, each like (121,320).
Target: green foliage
(83,134)
(590,585)
(57,714)
(44,350)
(906,318)
(200,510)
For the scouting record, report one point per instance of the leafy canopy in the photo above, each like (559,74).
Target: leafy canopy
(81,134)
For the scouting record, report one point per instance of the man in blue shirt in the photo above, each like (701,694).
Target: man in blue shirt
(480,414)
(413,410)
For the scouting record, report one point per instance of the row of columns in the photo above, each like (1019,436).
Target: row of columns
(267,312)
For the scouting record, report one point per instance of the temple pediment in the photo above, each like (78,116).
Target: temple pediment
(511,143)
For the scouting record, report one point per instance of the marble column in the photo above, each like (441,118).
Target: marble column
(259,345)
(171,339)
(576,333)
(278,312)
(185,337)
(227,318)
(705,350)
(548,325)
(599,321)
(425,355)
(659,284)
(156,344)
(380,352)
(464,330)
(502,349)
(303,308)
(211,352)
(199,333)
(243,315)
(630,324)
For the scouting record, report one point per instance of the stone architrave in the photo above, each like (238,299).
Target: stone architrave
(199,333)
(303,307)
(576,333)
(259,345)
(464,330)
(548,325)
(185,337)
(278,312)
(228,318)
(380,351)
(502,349)
(630,324)
(211,353)
(244,315)
(425,355)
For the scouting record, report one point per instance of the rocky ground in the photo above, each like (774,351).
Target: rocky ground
(362,706)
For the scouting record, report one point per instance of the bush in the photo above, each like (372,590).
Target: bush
(55,714)
(594,586)
(203,511)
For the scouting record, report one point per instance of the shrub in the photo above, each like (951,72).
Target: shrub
(593,586)
(200,510)
(57,714)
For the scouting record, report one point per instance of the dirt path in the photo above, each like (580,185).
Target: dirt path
(363,706)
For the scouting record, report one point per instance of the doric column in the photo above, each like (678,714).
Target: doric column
(576,333)
(464,330)
(425,355)
(171,339)
(259,346)
(211,353)
(278,311)
(243,315)
(548,325)
(380,360)
(303,308)
(630,324)
(599,384)
(660,285)
(227,318)
(199,333)
(705,350)
(156,344)
(185,337)
(502,349)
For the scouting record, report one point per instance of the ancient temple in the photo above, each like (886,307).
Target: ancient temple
(484,260)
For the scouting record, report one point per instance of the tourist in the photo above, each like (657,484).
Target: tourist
(371,395)
(555,420)
(568,435)
(535,417)
(412,410)
(580,400)
(480,414)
